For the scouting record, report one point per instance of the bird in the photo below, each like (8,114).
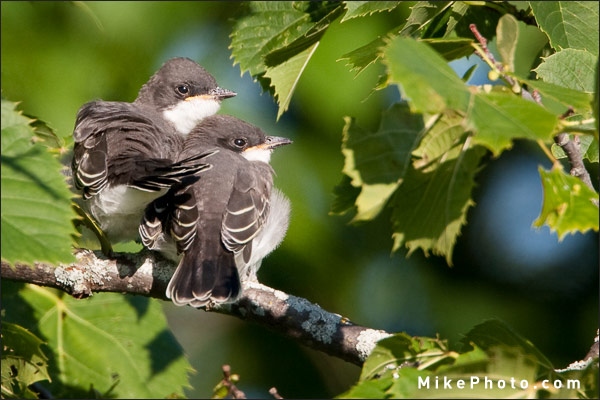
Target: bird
(124,153)
(225,223)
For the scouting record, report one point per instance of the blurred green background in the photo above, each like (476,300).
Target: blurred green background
(58,55)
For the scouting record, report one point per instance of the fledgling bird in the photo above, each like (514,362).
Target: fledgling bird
(226,222)
(124,154)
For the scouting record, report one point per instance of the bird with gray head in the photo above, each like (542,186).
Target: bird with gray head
(127,154)
(225,223)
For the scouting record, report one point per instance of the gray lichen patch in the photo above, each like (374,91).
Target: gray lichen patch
(90,270)
(320,324)
(367,340)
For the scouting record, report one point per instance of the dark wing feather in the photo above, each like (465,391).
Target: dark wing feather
(121,143)
(246,211)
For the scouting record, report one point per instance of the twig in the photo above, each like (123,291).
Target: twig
(229,382)
(273,392)
(488,54)
(148,274)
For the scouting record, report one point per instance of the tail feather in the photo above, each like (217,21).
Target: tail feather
(200,279)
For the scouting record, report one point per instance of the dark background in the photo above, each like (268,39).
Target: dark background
(58,55)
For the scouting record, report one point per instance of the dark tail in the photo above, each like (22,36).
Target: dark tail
(202,277)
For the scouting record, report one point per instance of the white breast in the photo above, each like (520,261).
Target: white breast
(119,210)
(186,114)
(270,236)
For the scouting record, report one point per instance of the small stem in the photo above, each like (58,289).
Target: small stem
(579,123)
(555,162)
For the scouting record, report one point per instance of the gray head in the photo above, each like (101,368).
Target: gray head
(184,92)
(229,133)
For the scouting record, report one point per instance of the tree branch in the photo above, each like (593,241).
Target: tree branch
(148,274)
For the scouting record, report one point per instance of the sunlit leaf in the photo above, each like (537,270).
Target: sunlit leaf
(270,26)
(106,341)
(285,76)
(493,333)
(401,349)
(421,15)
(377,161)
(23,361)
(580,101)
(499,117)
(432,86)
(568,206)
(35,200)
(507,36)
(569,24)
(364,8)
(451,49)
(375,389)
(425,77)
(569,68)
(430,208)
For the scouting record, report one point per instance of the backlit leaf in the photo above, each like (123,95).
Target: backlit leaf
(364,8)
(568,206)
(569,68)
(35,200)
(106,341)
(569,24)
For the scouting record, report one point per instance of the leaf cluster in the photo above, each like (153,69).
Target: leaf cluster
(423,160)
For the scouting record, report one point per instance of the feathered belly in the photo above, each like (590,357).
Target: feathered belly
(119,210)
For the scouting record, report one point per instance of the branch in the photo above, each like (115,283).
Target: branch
(148,274)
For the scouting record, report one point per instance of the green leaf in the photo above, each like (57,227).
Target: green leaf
(35,200)
(499,117)
(331,11)
(422,14)
(345,196)
(444,139)
(432,87)
(105,339)
(569,24)
(375,389)
(451,49)
(530,43)
(377,161)
(285,76)
(366,55)
(568,206)
(457,12)
(431,207)
(270,26)
(364,8)
(588,145)
(23,361)
(425,77)
(565,97)
(507,36)
(494,333)
(400,349)
(569,68)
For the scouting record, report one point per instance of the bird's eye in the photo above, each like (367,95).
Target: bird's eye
(183,89)
(239,142)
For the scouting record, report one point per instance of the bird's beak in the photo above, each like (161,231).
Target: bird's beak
(217,94)
(275,141)
(220,93)
(270,143)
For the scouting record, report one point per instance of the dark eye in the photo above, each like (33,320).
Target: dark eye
(183,89)
(239,142)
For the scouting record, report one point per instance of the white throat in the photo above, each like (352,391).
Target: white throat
(257,154)
(186,114)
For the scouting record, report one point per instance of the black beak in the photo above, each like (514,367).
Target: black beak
(220,93)
(275,141)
